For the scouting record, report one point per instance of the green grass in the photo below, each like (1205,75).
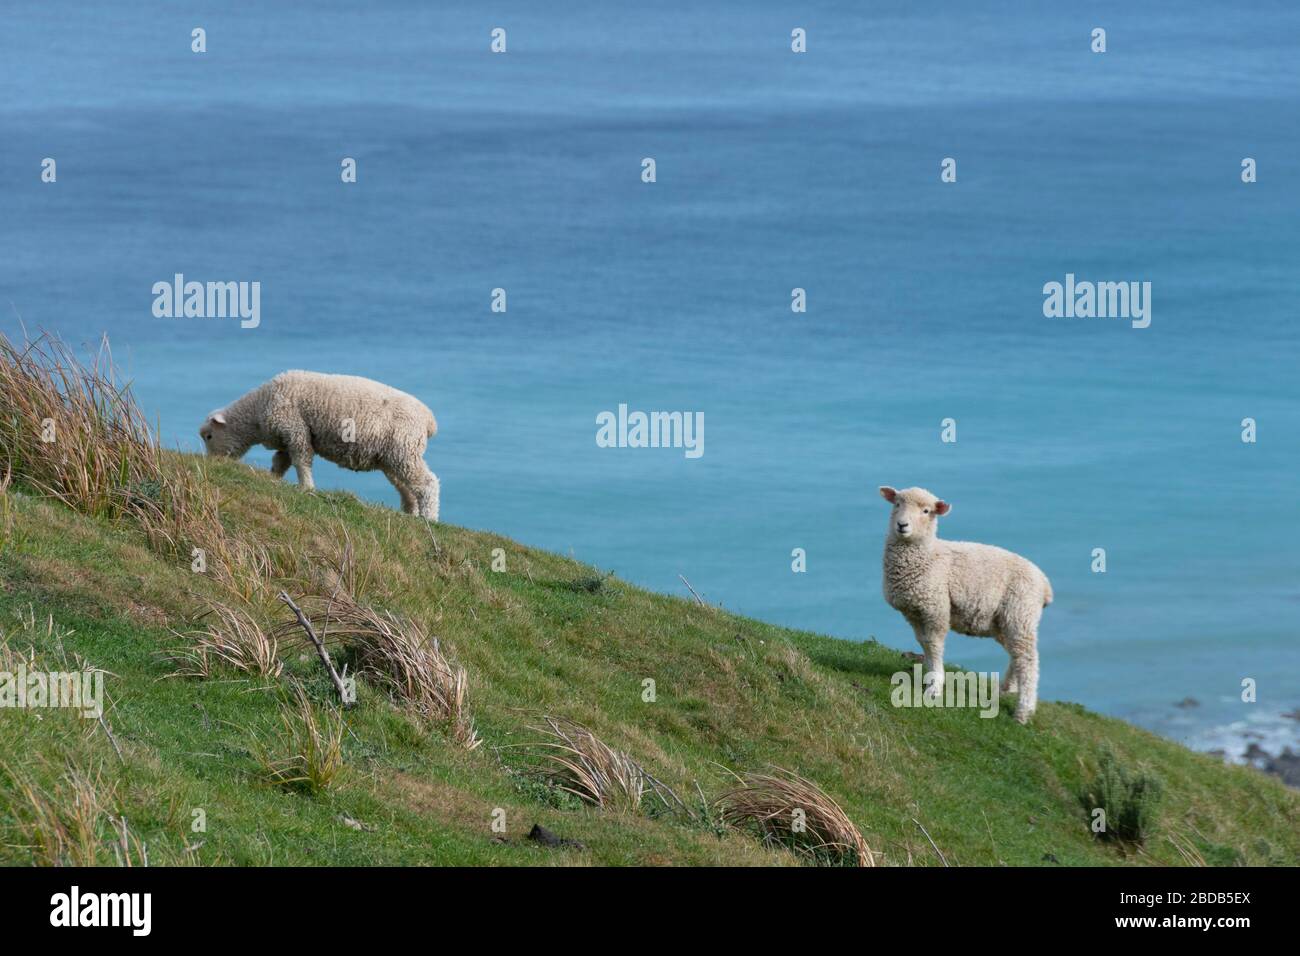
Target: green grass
(546,635)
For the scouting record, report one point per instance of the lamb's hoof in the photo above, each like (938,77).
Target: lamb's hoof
(1022,716)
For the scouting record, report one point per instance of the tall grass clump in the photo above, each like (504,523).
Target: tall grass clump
(338,566)
(8,522)
(396,654)
(307,753)
(66,825)
(245,569)
(1129,798)
(232,638)
(787,810)
(70,431)
(578,762)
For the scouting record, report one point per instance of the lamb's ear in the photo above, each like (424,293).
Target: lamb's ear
(218,418)
(942,507)
(888,493)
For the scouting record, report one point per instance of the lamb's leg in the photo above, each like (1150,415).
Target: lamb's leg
(301,455)
(280,463)
(1010,684)
(409,505)
(432,491)
(931,635)
(1027,671)
(1021,642)
(415,474)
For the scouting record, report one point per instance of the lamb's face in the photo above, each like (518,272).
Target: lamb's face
(215,433)
(915,513)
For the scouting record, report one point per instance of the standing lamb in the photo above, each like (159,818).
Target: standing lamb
(352,421)
(973,589)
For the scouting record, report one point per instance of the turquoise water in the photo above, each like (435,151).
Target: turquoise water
(774,171)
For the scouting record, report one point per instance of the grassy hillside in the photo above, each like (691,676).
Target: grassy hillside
(545,635)
(223,741)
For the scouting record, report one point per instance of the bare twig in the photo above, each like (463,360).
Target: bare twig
(320,648)
(932,843)
(692,590)
(111,739)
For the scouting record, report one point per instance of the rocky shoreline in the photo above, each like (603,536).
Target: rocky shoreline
(1283,764)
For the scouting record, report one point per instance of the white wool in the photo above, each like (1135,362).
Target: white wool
(969,588)
(302,414)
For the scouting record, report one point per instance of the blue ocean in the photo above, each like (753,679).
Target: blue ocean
(774,171)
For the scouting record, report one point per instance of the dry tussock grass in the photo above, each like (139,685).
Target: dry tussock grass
(576,761)
(396,654)
(233,638)
(65,826)
(791,811)
(78,820)
(244,569)
(390,650)
(339,566)
(70,431)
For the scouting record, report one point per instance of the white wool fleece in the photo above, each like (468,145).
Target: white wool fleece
(969,588)
(354,422)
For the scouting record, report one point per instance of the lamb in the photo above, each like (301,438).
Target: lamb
(354,422)
(973,589)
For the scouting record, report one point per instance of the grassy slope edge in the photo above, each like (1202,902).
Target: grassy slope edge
(548,635)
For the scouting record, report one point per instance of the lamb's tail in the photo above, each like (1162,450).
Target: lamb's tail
(431,428)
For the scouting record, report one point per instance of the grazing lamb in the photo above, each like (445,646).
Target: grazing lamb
(352,421)
(973,589)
